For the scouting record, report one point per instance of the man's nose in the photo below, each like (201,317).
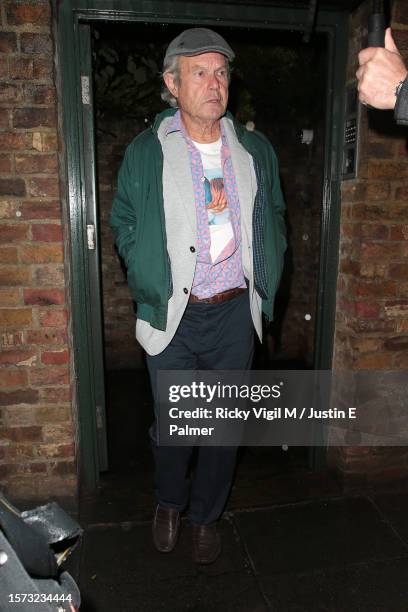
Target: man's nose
(214,82)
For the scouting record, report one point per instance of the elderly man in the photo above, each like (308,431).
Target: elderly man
(383,79)
(198,219)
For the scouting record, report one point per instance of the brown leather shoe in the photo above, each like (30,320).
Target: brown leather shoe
(165,528)
(206,544)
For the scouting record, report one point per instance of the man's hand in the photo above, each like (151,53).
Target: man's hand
(379,74)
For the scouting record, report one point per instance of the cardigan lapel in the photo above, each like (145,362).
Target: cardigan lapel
(176,155)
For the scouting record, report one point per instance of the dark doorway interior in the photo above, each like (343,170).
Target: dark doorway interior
(279,85)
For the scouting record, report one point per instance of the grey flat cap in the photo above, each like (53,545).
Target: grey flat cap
(196,41)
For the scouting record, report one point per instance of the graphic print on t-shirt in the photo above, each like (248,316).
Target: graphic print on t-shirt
(219,222)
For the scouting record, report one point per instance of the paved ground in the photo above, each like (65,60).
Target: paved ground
(291,542)
(337,555)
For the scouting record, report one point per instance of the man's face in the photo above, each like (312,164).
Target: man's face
(202,90)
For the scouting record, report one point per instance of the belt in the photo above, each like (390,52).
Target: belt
(218,297)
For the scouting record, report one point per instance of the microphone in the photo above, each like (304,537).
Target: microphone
(376,25)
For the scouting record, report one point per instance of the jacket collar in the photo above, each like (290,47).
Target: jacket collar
(170,112)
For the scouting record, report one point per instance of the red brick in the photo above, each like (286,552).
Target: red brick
(39,94)
(379,289)
(377,361)
(32,433)
(53,335)
(14,275)
(36,43)
(9,208)
(5,471)
(401,193)
(34,117)
(31,468)
(367,310)
(51,414)
(8,254)
(374,270)
(42,253)
(399,271)
(368,212)
(15,317)
(8,42)
(4,115)
(13,378)
(13,232)
(44,297)
(396,308)
(12,187)
(47,232)
(399,232)
(5,164)
(353,192)
(56,450)
(372,325)
(53,318)
(49,376)
(10,296)
(377,250)
(36,164)
(4,68)
(35,14)
(366,345)
(396,343)
(374,231)
(10,93)
(18,357)
(63,468)
(40,210)
(402,326)
(22,396)
(11,141)
(21,415)
(20,452)
(43,187)
(51,275)
(55,357)
(10,339)
(401,361)
(386,169)
(45,142)
(21,68)
(378,191)
(381,150)
(54,395)
(43,68)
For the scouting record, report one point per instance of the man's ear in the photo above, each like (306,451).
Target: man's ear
(170,83)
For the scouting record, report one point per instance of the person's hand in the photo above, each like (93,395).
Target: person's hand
(380,71)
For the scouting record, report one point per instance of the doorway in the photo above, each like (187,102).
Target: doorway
(306,301)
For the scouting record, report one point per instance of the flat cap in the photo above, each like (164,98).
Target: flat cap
(196,41)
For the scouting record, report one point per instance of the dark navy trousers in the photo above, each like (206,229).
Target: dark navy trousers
(209,337)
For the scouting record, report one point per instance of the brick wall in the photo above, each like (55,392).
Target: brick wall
(372,298)
(37,450)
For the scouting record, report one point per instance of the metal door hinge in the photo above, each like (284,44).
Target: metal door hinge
(90,234)
(85,89)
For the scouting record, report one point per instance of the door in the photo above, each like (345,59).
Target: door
(74,21)
(92,248)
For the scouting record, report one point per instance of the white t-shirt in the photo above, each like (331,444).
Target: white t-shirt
(219,221)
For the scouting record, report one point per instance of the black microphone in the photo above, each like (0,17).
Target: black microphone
(376,25)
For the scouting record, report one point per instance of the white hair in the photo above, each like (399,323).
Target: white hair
(171,66)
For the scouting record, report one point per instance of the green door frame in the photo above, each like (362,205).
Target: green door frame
(69,14)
